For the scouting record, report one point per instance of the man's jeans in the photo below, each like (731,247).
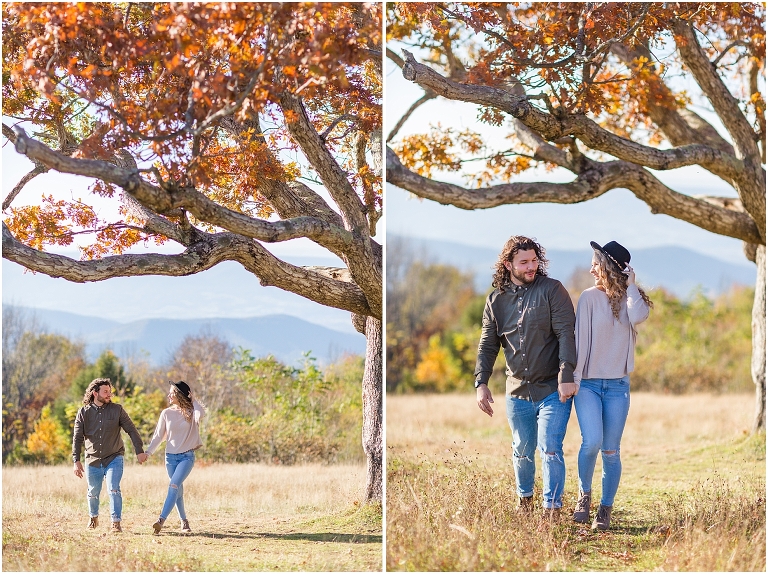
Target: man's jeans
(602,406)
(541,425)
(113,472)
(178,466)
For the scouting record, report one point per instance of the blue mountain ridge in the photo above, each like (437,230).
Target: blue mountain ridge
(284,336)
(676,269)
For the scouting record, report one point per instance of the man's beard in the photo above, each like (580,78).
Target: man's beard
(522,278)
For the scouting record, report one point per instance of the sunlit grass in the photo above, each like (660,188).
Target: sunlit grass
(244,517)
(691,497)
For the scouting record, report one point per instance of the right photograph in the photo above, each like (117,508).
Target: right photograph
(575,286)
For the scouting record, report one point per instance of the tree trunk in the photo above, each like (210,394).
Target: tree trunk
(758,340)
(373,410)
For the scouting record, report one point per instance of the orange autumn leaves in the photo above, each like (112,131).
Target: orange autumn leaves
(157,79)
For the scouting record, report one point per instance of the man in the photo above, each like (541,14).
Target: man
(99,421)
(531,316)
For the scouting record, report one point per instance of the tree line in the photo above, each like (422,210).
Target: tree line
(260,410)
(434,316)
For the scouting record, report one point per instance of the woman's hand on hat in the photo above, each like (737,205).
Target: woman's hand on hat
(630,275)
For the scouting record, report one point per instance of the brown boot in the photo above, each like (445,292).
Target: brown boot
(185,526)
(603,519)
(581,512)
(116,527)
(158,526)
(94,523)
(526,504)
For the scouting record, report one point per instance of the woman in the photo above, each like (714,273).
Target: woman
(179,426)
(606,319)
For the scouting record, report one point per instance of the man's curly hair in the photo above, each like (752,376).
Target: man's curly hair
(95,385)
(501,276)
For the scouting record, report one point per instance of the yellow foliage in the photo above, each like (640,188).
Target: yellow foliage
(47,442)
(437,370)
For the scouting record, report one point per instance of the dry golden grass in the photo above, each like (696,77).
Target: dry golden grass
(244,517)
(451,497)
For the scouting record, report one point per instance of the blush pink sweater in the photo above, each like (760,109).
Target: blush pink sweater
(180,435)
(605,346)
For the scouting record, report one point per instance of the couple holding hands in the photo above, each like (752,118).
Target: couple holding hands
(98,424)
(556,359)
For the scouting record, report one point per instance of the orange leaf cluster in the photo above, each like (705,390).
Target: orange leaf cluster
(156,78)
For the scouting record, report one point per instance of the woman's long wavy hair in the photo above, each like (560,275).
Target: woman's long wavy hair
(615,283)
(501,276)
(185,404)
(95,385)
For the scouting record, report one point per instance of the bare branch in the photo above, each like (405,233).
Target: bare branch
(39,169)
(337,121)
(392,55)
(428,95)
(716,61)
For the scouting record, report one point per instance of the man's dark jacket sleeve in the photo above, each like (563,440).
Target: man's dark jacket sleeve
(127,424)
(563,325)
(78,436)
(488,348)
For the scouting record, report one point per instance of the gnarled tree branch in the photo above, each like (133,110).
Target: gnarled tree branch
(592,182)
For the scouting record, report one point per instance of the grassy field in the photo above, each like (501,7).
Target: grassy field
(692,495)
(243,517)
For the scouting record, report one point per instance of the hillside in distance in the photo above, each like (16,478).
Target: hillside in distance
(284,336)
(676,269)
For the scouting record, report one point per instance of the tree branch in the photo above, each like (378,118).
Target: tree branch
(159,200)
(552,128)
(362,264)
(592,182)
(392,55)
(202,255)
(428,95)
(38,169)
(750,183)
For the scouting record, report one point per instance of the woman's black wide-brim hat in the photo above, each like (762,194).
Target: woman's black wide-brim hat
(616,253)
(183,388)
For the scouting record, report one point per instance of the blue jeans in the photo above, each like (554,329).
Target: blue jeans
(539,425)
(602,406)
(178,467)
(95,475)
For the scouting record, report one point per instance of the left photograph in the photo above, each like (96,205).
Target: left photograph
(192,286)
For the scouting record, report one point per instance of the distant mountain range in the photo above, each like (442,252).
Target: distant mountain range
(676,269)
(284,336)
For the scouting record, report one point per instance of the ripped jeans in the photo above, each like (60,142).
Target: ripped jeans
(539,425)
(178,467)
(602,406)
(113,473)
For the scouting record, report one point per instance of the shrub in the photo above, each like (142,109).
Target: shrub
(48,443)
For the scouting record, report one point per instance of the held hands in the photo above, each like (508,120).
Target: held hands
(142,457)
(484,399)
(78,469)
(567,390)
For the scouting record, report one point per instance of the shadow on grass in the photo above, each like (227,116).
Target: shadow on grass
(310,536)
